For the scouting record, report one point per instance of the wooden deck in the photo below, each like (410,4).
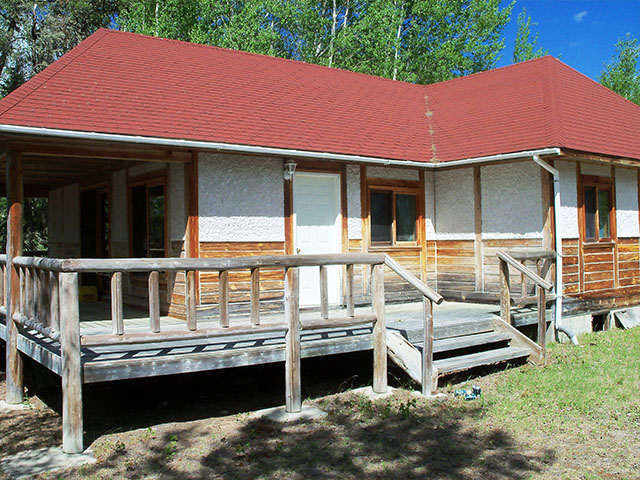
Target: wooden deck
(116,362)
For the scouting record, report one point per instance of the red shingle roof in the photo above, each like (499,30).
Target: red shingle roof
(124,83)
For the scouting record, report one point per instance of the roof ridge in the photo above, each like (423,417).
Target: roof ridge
(40,79)
(260,55)
(430,127)
(492,70)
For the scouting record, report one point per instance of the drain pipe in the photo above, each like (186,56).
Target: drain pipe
(557,317)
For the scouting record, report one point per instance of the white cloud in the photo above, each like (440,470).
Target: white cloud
(579,17)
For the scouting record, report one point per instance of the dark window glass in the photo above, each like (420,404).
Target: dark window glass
(405,218)
(381,216)
(156,221)
(139,221)
(603,213)
(590,212)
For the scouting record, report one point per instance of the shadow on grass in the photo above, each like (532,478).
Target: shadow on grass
(390,439)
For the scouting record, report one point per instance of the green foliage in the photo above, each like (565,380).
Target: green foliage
(35,225)
(408,40)
(35,33)
(622,74)
(526,43)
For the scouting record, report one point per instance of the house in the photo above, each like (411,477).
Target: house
(151,148)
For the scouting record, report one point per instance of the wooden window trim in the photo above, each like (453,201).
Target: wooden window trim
(394,189)
(600,184)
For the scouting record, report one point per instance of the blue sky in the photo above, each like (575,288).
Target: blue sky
(582,33)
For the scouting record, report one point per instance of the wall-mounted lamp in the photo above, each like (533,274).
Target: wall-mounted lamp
(289,169)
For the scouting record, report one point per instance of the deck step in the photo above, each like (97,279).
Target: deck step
(491,357)
(469,341)
(461,328)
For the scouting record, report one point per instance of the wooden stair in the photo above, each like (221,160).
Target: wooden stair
(459,346)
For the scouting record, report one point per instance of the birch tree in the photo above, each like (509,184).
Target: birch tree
(526,43)
(622,73)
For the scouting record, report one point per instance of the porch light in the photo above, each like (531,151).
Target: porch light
(289,169)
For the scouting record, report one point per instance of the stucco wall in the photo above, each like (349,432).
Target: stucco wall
(627,202)
(511,201)
(146,168)
(430,204)
(568,217)
(393,173)
(595,169)
(454,204)
(354,209)
(240,199)
(177,205)
(119,215)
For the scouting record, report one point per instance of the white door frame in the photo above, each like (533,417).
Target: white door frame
(336,298)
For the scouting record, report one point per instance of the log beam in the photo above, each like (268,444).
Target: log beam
(15,199)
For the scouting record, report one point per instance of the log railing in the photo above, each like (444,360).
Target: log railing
(516,259)
(49,305)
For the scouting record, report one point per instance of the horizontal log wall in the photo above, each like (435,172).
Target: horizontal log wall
(628,262)
(456,271)
(599,269)
(570,266)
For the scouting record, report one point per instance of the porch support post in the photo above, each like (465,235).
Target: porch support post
(72,421)
(15,198)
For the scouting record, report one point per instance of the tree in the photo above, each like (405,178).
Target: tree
(35,33)
(622,74)
(526,43)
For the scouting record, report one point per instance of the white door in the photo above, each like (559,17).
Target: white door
(316,211)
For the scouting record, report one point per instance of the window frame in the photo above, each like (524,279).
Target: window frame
(151,180)
(395,190)
(599,184)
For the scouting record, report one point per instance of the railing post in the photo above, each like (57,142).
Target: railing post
(324,292)
(349,292)
(429,380)
(14,367)
(154,301)
(71,364)
(117,318)
(54,306)
(223,297)
(542,322)
(255,296)
(190,299)
(293,392)
(379,331)
(505,295)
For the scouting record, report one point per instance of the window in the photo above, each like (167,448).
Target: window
(148,220)
(393,216)
(597,195)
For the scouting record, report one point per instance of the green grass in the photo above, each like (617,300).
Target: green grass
(598,381)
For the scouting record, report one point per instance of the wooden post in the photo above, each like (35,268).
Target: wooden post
(429,383)
(223,287)
(190,297)
(154,302)
(542,322)
(54,308)
(255,296)
(349,292)
(379,331)
(293,384)
(324,292)
(14,367)
(43,299)
(71,365)
(505,295)
(117,318)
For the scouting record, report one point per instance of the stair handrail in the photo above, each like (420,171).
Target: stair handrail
(527,272)
(429,371)
(414,281)
(542,286)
